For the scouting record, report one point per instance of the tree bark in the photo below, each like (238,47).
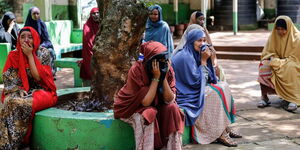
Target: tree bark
(122,23)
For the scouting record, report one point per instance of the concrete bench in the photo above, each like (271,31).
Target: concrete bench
(71,63)
(63,37)
(4,51)
(60,129)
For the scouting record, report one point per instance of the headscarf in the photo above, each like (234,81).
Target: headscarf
(184,36)
(198,14)
(193,19)
(130,96)
(40,27)
(281,23)
(159,31)
(8,15)
(90,30)
(18,60)
(286,61)
(190,79)
(12,38)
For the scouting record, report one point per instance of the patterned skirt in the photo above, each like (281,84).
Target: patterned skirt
(217,114)
(15,118)
(265,74)
(144,134)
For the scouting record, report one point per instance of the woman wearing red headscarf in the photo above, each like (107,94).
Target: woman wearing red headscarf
(28,87)
(90,30)
(147,101)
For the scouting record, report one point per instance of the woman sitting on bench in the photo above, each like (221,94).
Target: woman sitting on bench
(147,101)
(208,104)
(28,87)
(279,69)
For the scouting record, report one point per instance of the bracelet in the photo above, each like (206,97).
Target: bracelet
(154,79)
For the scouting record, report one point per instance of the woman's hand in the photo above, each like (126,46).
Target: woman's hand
(204,56)
(23,93)
(213,56)
(11,26)
(27,49)
(155,69)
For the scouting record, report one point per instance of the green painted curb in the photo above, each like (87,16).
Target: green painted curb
(56,129)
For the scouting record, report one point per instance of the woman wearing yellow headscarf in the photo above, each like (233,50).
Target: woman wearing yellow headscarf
(282,56)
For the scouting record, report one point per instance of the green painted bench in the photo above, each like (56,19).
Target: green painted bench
(59,129)
(63,37)
(71,63)
(4,50)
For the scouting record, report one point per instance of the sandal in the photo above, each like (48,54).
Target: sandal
(263,104)
(232,133)
(226,140)
(292,107)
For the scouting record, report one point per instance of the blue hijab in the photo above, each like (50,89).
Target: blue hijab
(190,79)
(159,31)
(40,27)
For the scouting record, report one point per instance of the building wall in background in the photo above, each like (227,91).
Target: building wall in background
(270,8)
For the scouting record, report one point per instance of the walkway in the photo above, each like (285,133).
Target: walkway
(271,128)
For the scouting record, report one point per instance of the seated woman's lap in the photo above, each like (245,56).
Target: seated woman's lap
(43,99)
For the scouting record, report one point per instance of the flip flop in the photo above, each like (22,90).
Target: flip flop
(292,107)
(263,104)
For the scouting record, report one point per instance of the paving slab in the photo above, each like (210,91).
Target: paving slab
(266,145)
(280,144)
(241,121)
(64,78)
(268,114)
(258,38)
(255,133)
(297,141)
(213,146)
(288,128)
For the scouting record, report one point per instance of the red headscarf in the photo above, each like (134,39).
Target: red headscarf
(130,96)
(17,59)
(90,30)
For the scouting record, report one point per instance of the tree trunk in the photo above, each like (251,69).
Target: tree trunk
(122,23)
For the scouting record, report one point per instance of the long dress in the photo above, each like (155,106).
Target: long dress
(17,112)
(208,104)
(159,125)
(90,30)
(283,71)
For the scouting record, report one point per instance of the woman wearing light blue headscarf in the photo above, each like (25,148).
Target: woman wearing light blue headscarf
(157,29)
(208,105)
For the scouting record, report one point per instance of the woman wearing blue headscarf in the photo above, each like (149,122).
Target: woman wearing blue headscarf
(157,29)
(33,20)
(208,105)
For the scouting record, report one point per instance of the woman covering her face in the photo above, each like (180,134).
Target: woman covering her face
(280,64)
(147,101)
(9,29)
(28,87)
(208,104)
(33,20)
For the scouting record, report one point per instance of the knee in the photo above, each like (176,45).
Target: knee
(172,107)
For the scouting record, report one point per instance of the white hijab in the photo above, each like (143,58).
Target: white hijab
(184,36)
